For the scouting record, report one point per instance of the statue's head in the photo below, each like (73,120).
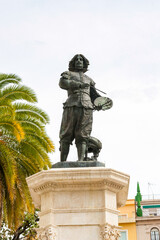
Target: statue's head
(78,63)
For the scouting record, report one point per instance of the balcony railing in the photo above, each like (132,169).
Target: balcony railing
(125,219)
(150,197)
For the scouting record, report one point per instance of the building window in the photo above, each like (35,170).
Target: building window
(123,235)
(155,234)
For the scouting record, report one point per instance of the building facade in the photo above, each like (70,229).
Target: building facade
(127,221)
(148,225)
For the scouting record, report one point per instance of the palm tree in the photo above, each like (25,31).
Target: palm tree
(24,147)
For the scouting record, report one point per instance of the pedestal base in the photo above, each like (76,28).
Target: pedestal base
(78,203)
(78,164)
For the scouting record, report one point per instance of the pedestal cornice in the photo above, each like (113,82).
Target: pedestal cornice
(74,179)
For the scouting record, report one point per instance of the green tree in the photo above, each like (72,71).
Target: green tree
(27,229)
(138,199)
(24,147)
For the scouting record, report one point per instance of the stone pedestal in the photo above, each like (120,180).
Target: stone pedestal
(78,203)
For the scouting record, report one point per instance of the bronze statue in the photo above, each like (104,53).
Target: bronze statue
(78,109)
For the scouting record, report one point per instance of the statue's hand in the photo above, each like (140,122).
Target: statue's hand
(98,108)
(102,103)
(84,85)
(107,105)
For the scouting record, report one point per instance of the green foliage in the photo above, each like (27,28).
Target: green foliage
(30,222)
(6,233)
(139,210)
(24,147)
(5,79)
(138,199)
(23,110)
(14,93)
(138,196)
(26,230)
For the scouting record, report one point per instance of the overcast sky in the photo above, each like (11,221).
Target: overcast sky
(121,39)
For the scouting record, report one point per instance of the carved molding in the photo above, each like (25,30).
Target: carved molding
(149,227)
(48,233)
(76,186)
(110,232)
(78,210)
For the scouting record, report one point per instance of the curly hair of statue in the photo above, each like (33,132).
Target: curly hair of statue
(72,63)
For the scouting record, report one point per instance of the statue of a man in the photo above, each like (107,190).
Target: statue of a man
(78,109)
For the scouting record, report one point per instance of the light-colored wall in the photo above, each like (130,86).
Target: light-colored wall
(142,234)
(78,203)
(144,228)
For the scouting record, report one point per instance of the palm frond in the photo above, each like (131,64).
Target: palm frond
(27,124)
(6,109)
(50,144)
(13,128)
(41,140)
(31,150)
(18,93)
(27,163)
(23,109)
(8,175)
(6,79)
(7,162)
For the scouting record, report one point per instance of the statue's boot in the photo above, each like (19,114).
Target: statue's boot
(64,151)
(81,148)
